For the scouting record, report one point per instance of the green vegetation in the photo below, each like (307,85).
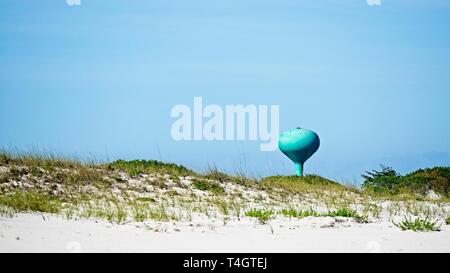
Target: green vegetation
(447,221)
(348,213)
(72,188)
(31,201)
(341,212)
(214,174)
(418,225)
(292,213)
(39,160)
(297,184)
(136,167)
(111,210)
(143,211)
(262,215)
(208,185)
(388,181)
(50,169)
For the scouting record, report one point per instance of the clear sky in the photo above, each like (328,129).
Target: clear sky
(100,79)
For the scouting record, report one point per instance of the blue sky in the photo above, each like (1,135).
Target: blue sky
(100,79)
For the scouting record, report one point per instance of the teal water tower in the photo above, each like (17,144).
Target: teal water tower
(299,144)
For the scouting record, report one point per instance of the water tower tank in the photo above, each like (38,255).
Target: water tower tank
(299,144)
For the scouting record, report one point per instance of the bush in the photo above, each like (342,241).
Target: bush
(435,179)
(419,182)
(386,179)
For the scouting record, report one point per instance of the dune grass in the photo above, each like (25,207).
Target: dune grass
(54,184)
(341,212)
(418,225)
(136,167)
(348,213)
(111,210)
(296,184)
(214,174)
(208,185)
(262,215)
(45,160)
(292,213)
(31,201)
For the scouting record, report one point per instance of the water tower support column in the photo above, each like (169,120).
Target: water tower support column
(299,168)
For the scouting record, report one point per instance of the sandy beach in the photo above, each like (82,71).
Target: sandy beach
(49,233)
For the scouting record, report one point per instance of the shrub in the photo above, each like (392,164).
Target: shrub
(419,182)
(436,179)
(386,179)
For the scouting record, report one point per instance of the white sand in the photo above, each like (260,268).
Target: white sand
(31,233)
